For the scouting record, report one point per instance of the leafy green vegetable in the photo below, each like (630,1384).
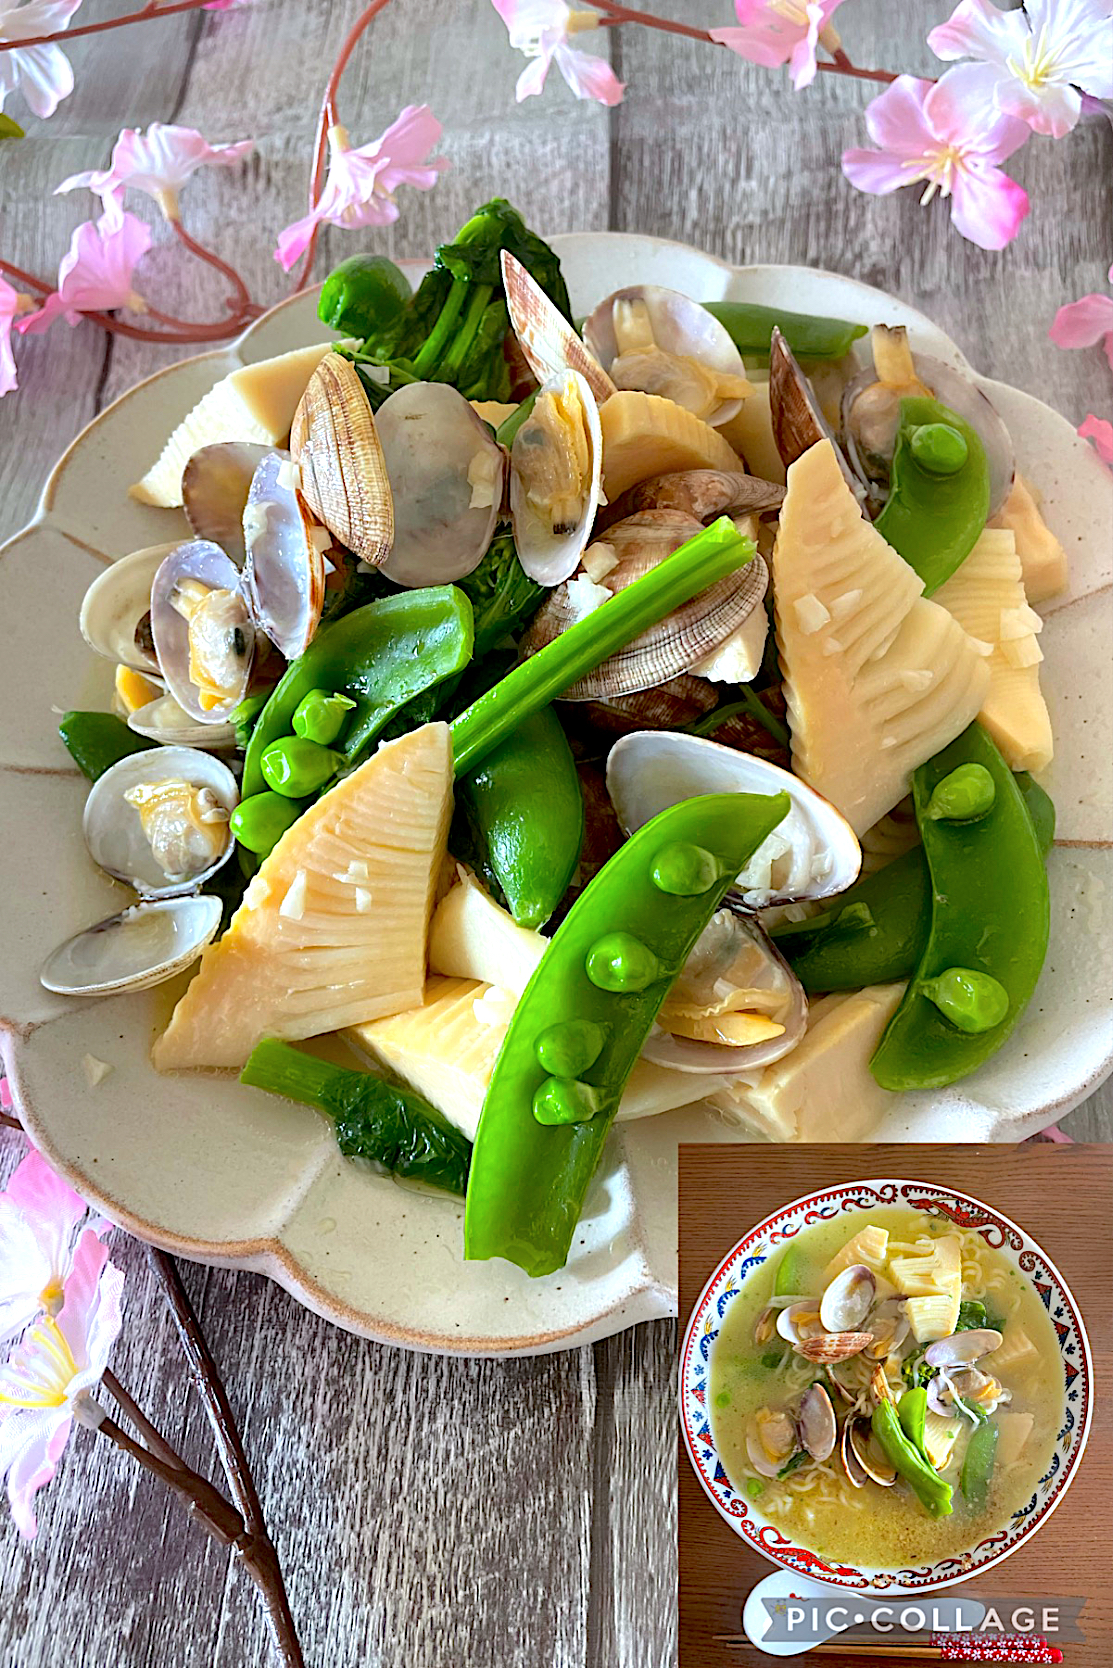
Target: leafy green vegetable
(971,1316)
(374,1119)
(503,596)
(799,1458)
(915,1371)
(773,1358)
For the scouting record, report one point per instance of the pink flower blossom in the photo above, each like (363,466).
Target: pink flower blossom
(775,32)
(360,187)
(1038,61)
(45,1383)
(950,135)
(540,29)
(95,274)
(9,307)
(43,74)
(158,162)
(1101,433)
(39,1217)
(1084,323)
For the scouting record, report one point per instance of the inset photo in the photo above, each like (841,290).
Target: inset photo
(895,1431)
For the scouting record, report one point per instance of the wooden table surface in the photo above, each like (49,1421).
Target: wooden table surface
(435,1512)
(1064,1200)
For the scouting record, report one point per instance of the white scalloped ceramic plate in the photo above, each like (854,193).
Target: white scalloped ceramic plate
(232,1176)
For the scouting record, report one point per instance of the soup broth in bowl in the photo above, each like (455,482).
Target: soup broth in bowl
(906,1402)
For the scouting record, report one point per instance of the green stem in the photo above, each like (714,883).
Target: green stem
(437,339)
(711,555)
(283,1070)
(466,334)
(750,706)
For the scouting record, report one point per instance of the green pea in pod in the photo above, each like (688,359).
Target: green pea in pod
(259,823)
(297,768)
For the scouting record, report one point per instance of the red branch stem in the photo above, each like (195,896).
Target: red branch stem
(146,14)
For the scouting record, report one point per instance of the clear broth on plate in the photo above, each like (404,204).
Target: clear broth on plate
(874,1527)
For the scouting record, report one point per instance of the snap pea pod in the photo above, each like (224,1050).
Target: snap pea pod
(935,511)
(380,656)
(710,555)
(98,740)
(751,327)
(931,1491)
(375,1120)
(989,916)
(912,1413)
(579,1027)
(978,1463)
(525,809)
(876,931)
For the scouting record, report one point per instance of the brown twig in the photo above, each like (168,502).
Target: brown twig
(145,15)
(242,302)
(155,1442)
(9,1122)
(260,1558)
(217,1516)
(616,15)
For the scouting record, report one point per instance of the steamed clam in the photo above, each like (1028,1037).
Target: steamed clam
(164,720)
(215,485)
(657,341)
(547,340)
(446,476)
(284,574)
(967,1392)
(812,854)
(704,494)
(815,1421)
(336,446)
(115,612)
(203,632)
(141,947)
(690,634)
(771,1440)
(556,462)
(862,1458)
(736,1006)
(871,413)
(797,418)
(159,820)
(848,1299)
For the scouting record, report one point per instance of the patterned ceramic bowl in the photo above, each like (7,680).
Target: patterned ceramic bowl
(764,1241)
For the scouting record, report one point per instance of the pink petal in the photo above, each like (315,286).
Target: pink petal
(1101,433)
(589,77)
(975,29)
(961,111)
(1052,109)
(875,171)
(44,76)
(8,383)
(987,206)
(293,240)
(532,79)
(33,324)
(31,1445)
(1083,323)
(47,1202)
(410,137)
(895,120)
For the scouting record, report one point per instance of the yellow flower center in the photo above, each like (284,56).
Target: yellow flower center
(938,168)
(41,1370)
(580,20)
(1036,63)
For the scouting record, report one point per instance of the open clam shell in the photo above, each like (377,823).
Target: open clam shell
(871,415)
(816,1423)
(547,340)
(797,418)
(963,1348)
(142,946)
(659,341)
(163,720)
(703,493)
(336,446)
(118,603)
(736,1005)
(556,467)
(215,485)
(159,820)
(446,475)
(848,1298)
(770,1440)
(814,853)
(284,575)
(202,627)
(669,647)
(867,1454)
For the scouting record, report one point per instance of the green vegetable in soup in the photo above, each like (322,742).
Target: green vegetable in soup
(799,1458)
(809,336)
(98,740)
(790,1273)
(934,517)
(374,1120)
(971,1316)
(929,1488)
(912,1413)
(978,1463)
(503,597)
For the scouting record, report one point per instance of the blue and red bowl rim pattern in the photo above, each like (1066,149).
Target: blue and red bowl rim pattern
(765,1240)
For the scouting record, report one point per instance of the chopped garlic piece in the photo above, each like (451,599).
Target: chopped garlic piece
(321,539)
(288,478)
(811,615)
(256,892)
(1018,622)
(917,681)
(981,647)
(599,559)
(95,1070)
(356,874)
(845,604)
(584,596)
(482,475)
(363,900)
(293,904)
(378,374)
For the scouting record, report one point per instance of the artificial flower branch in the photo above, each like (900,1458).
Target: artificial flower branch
(615,15)
(145,14)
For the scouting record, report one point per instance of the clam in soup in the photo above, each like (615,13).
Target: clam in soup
(887,1389)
